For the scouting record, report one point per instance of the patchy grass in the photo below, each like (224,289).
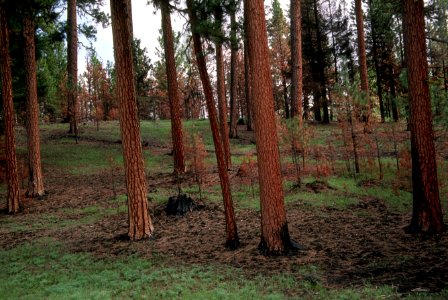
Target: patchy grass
(44,269)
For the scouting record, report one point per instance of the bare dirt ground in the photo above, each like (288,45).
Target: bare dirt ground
(350,247)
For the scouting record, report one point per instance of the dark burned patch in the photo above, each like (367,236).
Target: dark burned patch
(318,186)
(180,205)
(369,183)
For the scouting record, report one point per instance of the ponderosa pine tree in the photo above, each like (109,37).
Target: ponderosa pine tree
(233,70)
(232,240)
(275,237)
(247,85)
(13,195)
(427,213)
(35,181)
(362,57)
(173,89)
(140,225)
(221,87)
(296,60)
(72,65)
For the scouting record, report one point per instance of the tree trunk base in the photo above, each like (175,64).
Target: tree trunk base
(36,195)
(417,229)
(233,244)
(289,246)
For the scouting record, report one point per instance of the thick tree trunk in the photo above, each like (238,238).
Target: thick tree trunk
(362,58)
(296,60)
(72,66)
(427,213)
(275,237)
(221,90)
(13,196)
(233,73)
(173,90)
(140,225)
(232,240)
(35,181)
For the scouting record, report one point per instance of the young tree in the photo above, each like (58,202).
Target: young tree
(232,240)
(173,90)
(35,181)
(140,225)
(13,196)
(427,213)
(72,65)
(275,237)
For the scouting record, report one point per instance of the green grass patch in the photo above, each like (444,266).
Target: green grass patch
(44,269)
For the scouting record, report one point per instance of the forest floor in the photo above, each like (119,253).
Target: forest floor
(352,228)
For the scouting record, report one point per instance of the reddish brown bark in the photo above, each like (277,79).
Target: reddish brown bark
(296,59)
(427,213)
(247,88)
(222,101)
(233,73)
(72,66)
(13,196)
(35,181)
(247,79)
(173,90)
(140,225)
(232,240)
(274,227)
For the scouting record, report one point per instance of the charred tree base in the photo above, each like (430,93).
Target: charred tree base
(36,195)
(416,229)
(233,244)
(289,246)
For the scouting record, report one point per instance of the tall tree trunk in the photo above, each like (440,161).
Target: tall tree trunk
(140,225)
(362,59)
(247,85)
(13,196)
(233,72)
(232,240)
(35,181)
(221,90)
(173,90)
(72,66)
(321,67)
(296,60)
(427,213)
(275,237)
(376,62)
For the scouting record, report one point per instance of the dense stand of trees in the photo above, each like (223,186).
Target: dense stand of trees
(318,66)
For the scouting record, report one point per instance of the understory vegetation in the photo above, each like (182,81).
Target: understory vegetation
(71,243)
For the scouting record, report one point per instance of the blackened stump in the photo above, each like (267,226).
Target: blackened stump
(179,205)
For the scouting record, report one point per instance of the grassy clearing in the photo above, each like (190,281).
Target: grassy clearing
(45,270)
